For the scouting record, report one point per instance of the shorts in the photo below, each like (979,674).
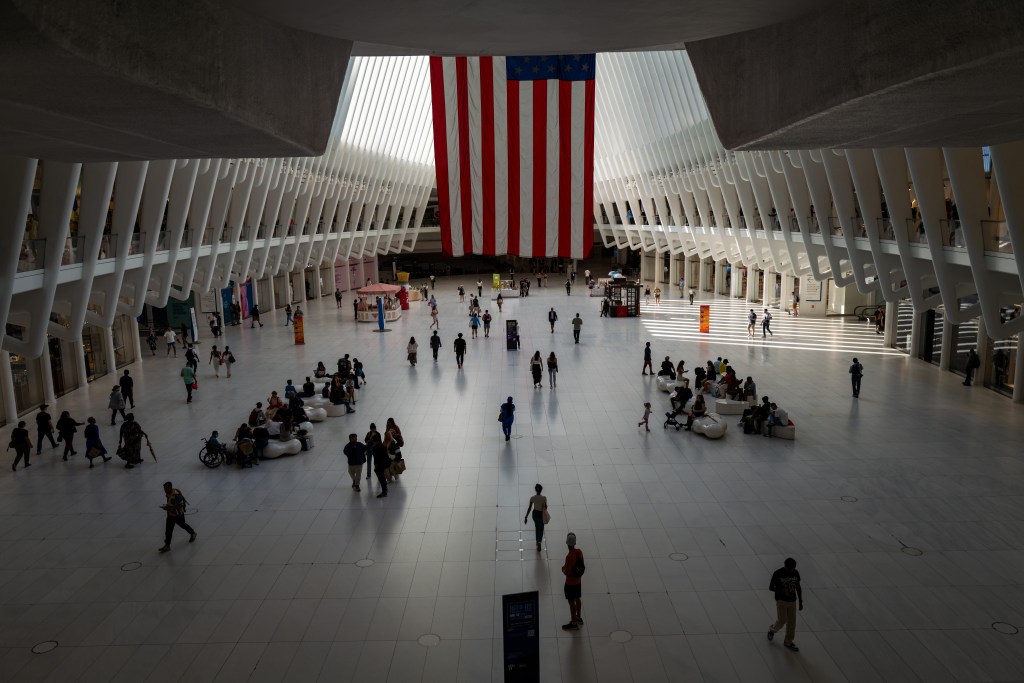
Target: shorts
(573,592)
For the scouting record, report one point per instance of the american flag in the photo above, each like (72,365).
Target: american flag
(514,152)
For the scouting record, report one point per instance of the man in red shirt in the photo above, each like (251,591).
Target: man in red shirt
(573,570)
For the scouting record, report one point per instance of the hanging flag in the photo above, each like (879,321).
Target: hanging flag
(514,153)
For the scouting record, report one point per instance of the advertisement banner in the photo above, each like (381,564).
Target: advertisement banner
(299,330)
(705,319)
(496,281)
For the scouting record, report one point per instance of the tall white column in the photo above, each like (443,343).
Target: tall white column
(108,342)
(736,284)
(7,388)
(916,331)
(83,376)
(983,374)
(270,295)
(946,350)
(752,283)
(891,312)
(47,371)
(136,338)
(705,267)
(786,291)
(767,288)
(318,287)
(720,276)
(673,274)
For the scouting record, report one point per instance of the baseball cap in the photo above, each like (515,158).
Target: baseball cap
(570,539)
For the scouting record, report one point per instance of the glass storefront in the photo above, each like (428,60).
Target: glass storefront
(62,365)
(904,324)
(1000,371)
(94,352)
(124,350)
(28,383)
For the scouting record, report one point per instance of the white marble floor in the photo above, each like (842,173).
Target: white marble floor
(681,534)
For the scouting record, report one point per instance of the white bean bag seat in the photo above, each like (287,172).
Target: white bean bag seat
(316,414)
(315,402)
(276,448)
(335,410)
(666,384)
(726,406)
(787,432)
(711,425)
(308,426)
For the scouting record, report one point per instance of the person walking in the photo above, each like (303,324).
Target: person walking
(577,324)
(151,341)
(552,318)
(645,419)
(692,293)
(188,376)
(973,363)
(460,350)
(856,374)
(568,287)
(657,295)
(254,316)
(381,466)
(789,598)
(411,348)
(682,287)
(22,444)
(553,370)
(487,324)
(507,416)
(435,344)
(371,438)
(355,309)
(93,445)
(116,404)
(192,359)
(474,324)
(479,287)
(573,569)
(537,369)
(175,508)
(44,428)
(337,297)
(879,320)
(228,359)
(538,507)
(647,359)
(355,452)
(766,324)
(127,388)
(288,315)
(215,361)
(433,281)
(433,319)
(129,442)
(751,321)
(172,340)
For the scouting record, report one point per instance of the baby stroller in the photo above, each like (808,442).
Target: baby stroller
(671,419)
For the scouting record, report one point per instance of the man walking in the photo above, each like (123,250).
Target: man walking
(507,416)
(127,388)
(568,288)
(552,317)
(288,314)
(188,376)
(973,363)
(435,344)
(856,373)
(172,340)
(433,281)
(479,287)
(751,321)
(355,452)
(577,323)
(355,308)
(460,350)
(254,316)
(337,297)
(44,428)
(647,359)
(573,570)
(487,324)
(785,584)
(766,324)
(175,509)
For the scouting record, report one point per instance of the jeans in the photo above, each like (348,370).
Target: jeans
(382,478)
(22,451)
(188,390)
(576,336)
(538,524)
(169,527)
(506,428)
(552,374)
(855,381)
(44,434)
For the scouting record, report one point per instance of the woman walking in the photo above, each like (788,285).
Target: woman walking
(116,404)
(129,442)
(553,370)
(507,415)
(539,506)
(66,428)
(537,368)
(93,446)
(228,358)
(215,360)
(22,443)
(411,350)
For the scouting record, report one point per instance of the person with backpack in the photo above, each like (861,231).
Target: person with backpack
(856,374)
(257,416)
(573,570)
(175,508)
(487,324)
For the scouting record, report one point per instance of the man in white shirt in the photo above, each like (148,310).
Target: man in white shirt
(171,338)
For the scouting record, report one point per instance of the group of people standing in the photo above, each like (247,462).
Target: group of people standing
(382,455)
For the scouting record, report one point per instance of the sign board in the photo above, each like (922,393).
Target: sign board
(705,319)
(812,289)
(511,335)
(521,639)
(208,301)
(496,281)
(299,330)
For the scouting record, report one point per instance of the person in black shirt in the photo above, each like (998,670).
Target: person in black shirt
(355,452)
(785,584)
(668,369)
(460,350)
(127,388)
(308,388)
(44,428)
(22,445)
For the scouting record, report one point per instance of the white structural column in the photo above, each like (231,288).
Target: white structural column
(947,346)
(136,338)
(891,308)
(83,376)
(658,267)
(736,285)
(271,303)
(752,283)
(673,274)
(7,387)
(786,291)
(704,274)
(108,343)
(47,372)
(916,328)
(766,287)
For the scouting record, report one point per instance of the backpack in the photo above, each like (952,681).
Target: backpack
(578,568)
(254,418)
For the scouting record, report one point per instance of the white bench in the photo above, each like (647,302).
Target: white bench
(727,406)
(666,384)
(335,410)
(787,432)
(316,414)
(277,448)
(711,425)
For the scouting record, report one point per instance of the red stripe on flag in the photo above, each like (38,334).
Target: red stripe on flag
(441,152)
(565,197)
(540,171)
(487,150)
(588,170)
(465,187)
(512,95)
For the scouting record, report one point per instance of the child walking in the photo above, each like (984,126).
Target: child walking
(646,417)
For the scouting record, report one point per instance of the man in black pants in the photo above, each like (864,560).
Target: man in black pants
(127,388)
(44,428)
(175,508)
(460,350)
(435,344)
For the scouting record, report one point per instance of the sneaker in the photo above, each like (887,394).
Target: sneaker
(382,494)
(163,549)
(771,634)
(358,489)
(192,538)
(792,646)
(571,626)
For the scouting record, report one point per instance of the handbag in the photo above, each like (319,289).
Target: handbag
(93,452)
(546,516)
(195,385)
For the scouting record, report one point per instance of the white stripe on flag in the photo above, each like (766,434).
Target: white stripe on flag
(501,159)
(526,167)
(579,212)
(475,154)
(551,182)
(451,105)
